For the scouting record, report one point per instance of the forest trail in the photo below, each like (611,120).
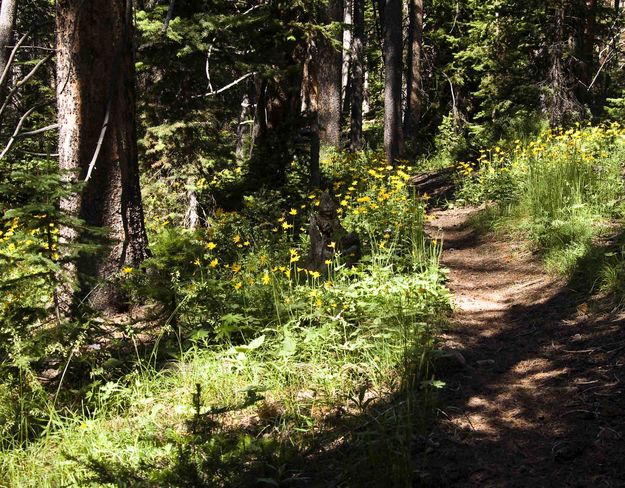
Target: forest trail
(540,399)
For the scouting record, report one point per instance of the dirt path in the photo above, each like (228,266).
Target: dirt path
(540,401)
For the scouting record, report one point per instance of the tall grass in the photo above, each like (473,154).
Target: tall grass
(562,189)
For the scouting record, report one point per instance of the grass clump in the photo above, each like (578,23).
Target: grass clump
(563,190)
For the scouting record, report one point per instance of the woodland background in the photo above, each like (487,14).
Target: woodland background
(160,321)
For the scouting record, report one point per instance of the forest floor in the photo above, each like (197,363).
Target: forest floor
(535,373)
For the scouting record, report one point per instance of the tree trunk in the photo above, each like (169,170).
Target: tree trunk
(7,21)
(347,53)
(192,216)
(98,143)
(242,127)
(561,105)
(587,55)
(392,79)
(358,75)
(329,67)
(309,96)
(413,80)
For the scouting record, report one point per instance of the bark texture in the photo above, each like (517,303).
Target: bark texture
(7,21)
(413,79)
(96,112)
(358,74)
(329,78)
(392,79)
(347,46)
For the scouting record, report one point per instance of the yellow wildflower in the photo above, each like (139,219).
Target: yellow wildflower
(127,270)
(238,285)
(266,279)
(211,245)
(236,239)
(214,263)
(293,212)
(236,267)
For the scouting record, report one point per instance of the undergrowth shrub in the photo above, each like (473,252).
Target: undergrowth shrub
(257,357)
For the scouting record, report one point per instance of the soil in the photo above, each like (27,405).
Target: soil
(534,374)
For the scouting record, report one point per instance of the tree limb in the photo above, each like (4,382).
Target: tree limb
(227,87)
(22,82)
(168,17)
(17,129)
(105,125)
(38,131)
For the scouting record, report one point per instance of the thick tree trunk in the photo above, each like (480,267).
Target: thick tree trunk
(309,97)
(329,67)
(97,141)
(392,79)
(413,80)
(358,75)
(7,21)
(561,103)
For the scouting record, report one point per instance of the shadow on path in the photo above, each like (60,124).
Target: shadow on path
(540,400)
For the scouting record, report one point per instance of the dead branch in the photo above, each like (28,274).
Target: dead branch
(227,87)
(16,131)
(22,82)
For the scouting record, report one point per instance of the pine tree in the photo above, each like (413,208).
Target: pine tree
(97,141)
(392,48)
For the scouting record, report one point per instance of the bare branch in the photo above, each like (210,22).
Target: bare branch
(208,64)
(42,48)
(21,41)
(22,82)
(38,131)
(227,87)
(5,73)
(100,139)
(17,130)
(168,17)
(45,155)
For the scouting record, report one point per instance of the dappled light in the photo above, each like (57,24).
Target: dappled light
(312,243)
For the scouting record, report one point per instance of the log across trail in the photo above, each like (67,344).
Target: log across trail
(535,380)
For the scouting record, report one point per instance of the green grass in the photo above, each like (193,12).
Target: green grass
(259,362)
(563,191)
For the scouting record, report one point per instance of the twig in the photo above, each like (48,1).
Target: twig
(17,129)
(579,410)
(31,153)
(208,64)
(105,125)
(227,87)
(38,131)
(12,56)
(42,48)
(168,17)
(22,82)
